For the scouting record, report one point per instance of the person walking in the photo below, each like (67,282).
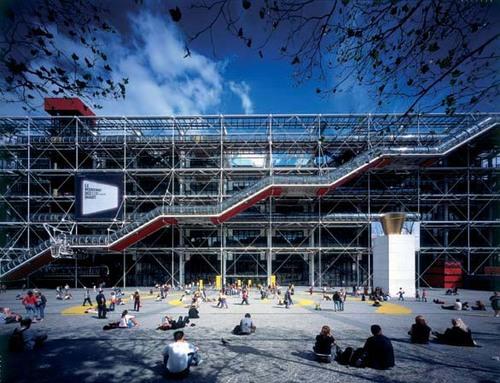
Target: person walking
(86,297)
(29,302)
(288,298)
(424,295)
(101,305)
(495,303)
(137,300)
(41,302)
(401,294)
(343,297)
(112,301)
(162,291)
(244,297)
(336,301)
(223,300)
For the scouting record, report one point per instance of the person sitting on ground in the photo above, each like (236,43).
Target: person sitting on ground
(378,349)
(480,306)
(324,342)
(246,326)
(25,338)
(438,302)
(420,332)
(127,321)
(457,306)
(7,316)
(193,312)
(169,323)
(179,356)
(458,335)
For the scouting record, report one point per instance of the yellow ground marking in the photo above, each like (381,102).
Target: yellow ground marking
(386,308)
(393,309)
(175,302)
(76,310)
(305,302)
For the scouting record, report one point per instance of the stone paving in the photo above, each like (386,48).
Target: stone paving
(78,350)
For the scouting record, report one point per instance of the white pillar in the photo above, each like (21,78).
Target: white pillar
(394,264)
(181,269)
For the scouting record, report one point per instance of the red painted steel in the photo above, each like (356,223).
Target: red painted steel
(139,235)
(31,266)
(273,191)
(67,107)
(375,164)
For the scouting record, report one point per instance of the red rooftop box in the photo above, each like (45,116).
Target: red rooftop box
(67,107)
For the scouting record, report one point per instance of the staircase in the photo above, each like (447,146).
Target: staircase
(378,155)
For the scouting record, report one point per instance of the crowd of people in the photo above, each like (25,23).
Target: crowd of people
(377,351)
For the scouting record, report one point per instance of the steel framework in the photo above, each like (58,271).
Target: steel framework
(250,196)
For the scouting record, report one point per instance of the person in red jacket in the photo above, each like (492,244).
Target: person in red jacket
(29,302)
(244,297)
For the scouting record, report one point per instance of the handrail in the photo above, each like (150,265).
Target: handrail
(378,150)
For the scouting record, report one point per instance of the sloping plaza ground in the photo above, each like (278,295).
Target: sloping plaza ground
(78,350)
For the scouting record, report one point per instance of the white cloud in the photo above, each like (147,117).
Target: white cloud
(242,90)
(161,80)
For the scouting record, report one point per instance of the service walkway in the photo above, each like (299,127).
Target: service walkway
(78,350)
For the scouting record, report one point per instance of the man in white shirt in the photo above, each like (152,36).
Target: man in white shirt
(456,306)
(179,356)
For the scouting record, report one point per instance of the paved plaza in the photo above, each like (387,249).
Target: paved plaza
(78,350)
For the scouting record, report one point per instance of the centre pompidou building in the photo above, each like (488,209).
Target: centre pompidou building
(144,200)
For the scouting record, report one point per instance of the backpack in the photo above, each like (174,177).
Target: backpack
(345,357)
(358,358)
(16,341)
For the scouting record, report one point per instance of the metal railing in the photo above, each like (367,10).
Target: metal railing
(378,148)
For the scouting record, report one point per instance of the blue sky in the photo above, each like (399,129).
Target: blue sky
(149,50)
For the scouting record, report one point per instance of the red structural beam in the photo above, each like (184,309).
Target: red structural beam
(31,266)
(67,107)
(273,191)
(139,235)
(375,164)
(428,163)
